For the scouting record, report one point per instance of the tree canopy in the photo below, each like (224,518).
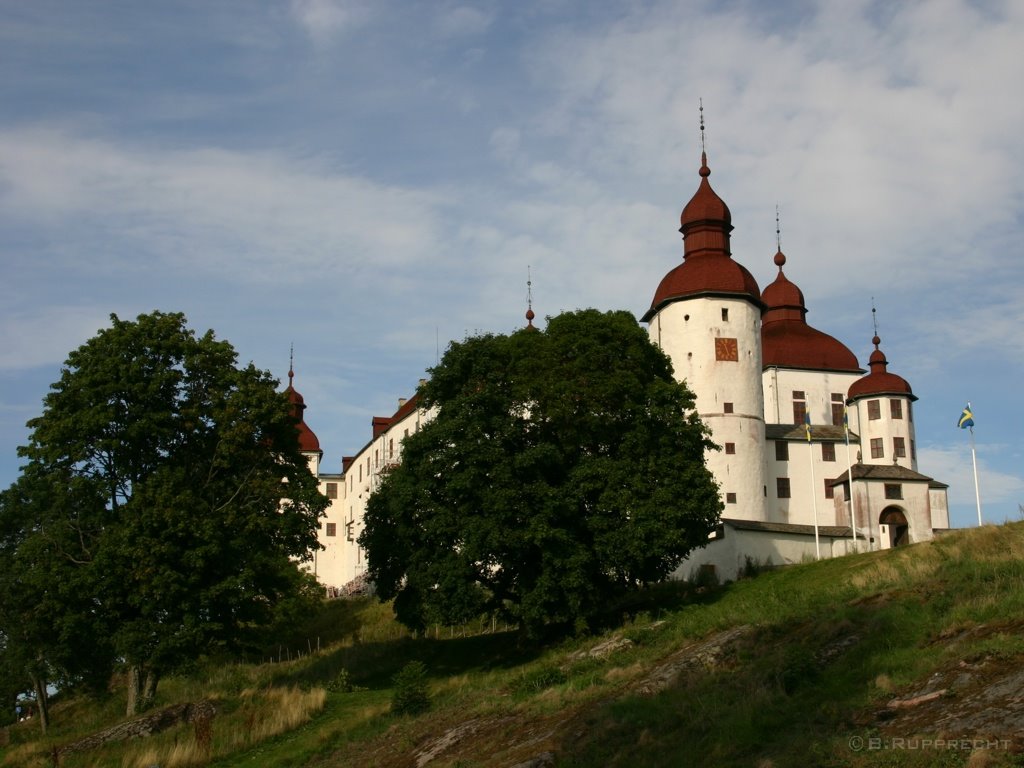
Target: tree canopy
(562,468)
(163,507)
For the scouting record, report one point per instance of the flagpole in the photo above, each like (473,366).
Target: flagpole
(849,474)
(814,486)
(974,461)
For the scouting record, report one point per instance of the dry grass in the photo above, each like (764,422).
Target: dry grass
(277,710)
(178,756)
(25,756)
(264,713)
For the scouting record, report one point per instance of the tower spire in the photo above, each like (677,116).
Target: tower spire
(778,230)
(291,363)
(780,257)
(529,299)
(704,170)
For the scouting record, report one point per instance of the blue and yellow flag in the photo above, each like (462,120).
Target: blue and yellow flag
(846,420)
(807,426)
(966,418)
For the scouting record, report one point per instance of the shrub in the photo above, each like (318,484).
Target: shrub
(410,695)
(342,683)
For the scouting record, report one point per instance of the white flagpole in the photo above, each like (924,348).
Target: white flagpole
(849,475)
(974,460)
(814,497)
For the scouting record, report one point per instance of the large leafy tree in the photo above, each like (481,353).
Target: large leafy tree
(201,501)
(50,630)
(562,469)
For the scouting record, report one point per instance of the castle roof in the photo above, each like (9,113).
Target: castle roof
(707,268)
(308,442)
(787,341)
(886,472)
(879,381)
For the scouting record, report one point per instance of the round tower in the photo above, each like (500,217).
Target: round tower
(706,316)
(309,445)
(884,404)
(806,371)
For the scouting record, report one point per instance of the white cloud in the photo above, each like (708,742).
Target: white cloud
(43,336)
(254,217)
(462,21)
(953,465)
(325,20)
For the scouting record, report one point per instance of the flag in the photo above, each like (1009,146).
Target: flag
(966,418)
(846,421)
(807,426)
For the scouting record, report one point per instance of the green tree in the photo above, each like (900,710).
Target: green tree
(204,500)
(563,468)
(50,630)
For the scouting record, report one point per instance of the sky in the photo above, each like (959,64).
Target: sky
(368,181)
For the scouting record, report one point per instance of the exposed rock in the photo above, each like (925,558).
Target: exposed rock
(829,653)
(614,643)
(986,703)
(144,726)
(446,741)
(706,654)
(543,760)
(914,701)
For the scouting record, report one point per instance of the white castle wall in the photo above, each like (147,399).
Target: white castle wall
(686,331)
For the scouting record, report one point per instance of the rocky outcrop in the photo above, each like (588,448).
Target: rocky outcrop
(140,727)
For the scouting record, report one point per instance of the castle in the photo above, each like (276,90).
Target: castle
(818,456)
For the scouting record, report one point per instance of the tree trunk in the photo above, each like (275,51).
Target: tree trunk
(42,704)
(134,689)
(142,680)
(152,677)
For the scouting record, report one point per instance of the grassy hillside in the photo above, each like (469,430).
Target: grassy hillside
(910,657)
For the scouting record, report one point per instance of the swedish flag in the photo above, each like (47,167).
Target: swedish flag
(807,426)
(846,420)
(966,418)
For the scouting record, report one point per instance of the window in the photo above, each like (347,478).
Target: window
(899,447)
(361,473)
(798,394)
(828,451)
(830,490)
(349,532)
(799,412)
(332,529)
(730,448)
(838,410)
(727,407)
(893,491)
(332,490)
(391,447)
(782,487)
(896,409)
(725,314)
(730,498)
(877,450)
(910,412)
(781,450)
(837,397)
(874,410)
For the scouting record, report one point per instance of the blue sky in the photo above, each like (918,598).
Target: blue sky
(369,180)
